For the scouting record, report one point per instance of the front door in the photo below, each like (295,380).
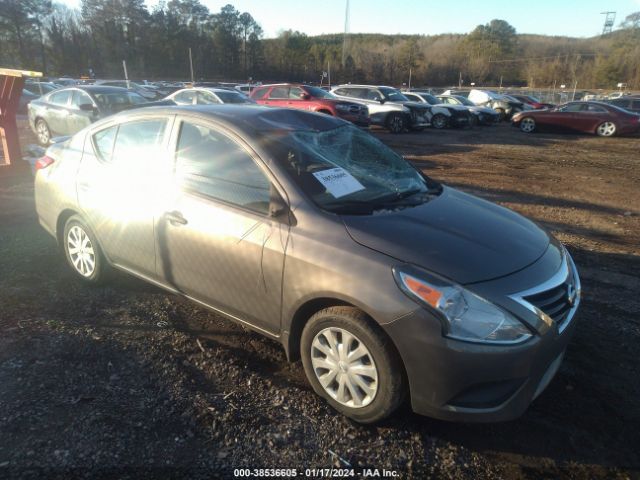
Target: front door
(216,241)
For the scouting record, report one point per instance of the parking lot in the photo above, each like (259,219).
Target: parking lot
(129,381)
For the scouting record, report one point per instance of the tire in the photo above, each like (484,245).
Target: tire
(395,123)
(473,121)
(43,132)
(88,264)
(606,129)
(527,125)
(367,397)
(501,113)
(439,121)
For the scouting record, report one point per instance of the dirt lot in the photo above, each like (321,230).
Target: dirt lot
(127,381)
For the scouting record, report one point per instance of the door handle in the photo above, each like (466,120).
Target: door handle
(175,218)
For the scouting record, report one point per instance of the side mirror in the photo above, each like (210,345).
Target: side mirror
(304,96)
(87,107)
(381,100)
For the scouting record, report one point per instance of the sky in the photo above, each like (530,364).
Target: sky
(575,18)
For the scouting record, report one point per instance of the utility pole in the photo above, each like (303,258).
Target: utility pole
(329,73)
(409,78)
(126,75)
(346,32)
(191,67)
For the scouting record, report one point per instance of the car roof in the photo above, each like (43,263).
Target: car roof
(95,89)
(248,118)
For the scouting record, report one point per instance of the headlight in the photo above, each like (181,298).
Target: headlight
(465,315)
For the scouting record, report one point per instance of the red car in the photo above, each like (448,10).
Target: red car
(588,117)
(313,99)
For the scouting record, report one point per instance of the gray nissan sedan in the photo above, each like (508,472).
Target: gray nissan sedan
(314,233)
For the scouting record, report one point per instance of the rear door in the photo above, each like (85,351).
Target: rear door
(216,241)
(122,183)
(277,97)
(78,119)
(591,116)
(57,111)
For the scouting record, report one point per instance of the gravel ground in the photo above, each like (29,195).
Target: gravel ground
(126,381)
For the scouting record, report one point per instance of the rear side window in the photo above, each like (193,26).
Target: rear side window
(259,92)
(185,98)
(596,109)
(138,141)
(80,98)
(60,98)
(212,164)
(103,142)
(279,92)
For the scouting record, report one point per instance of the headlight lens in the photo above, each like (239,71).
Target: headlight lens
(466,316)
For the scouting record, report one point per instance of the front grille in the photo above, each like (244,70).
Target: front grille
(556,302)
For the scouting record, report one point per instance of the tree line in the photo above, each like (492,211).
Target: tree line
(230,45)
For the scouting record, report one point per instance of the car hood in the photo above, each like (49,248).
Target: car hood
(456,235)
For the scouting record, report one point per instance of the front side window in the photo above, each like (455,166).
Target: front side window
(345,170)
(572,107)
(259,92)
(295,92)
(80,98)
(112,102)
(206,98)
(211,164)
(393,95)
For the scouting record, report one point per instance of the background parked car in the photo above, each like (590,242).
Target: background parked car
(487,98)
(483,115)
(208,96)
(442,115)
(68,110)
(313,99)
(41,88)
(534,102)
(588,117)
(631,103)
(141,90)
(388,107)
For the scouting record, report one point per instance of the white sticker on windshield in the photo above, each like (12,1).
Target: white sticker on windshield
(338,181)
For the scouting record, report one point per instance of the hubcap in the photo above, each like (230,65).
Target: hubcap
(439,122)
(607,129)
(344,367)
(43,132)
(527,125)
(396,124)
(81,251)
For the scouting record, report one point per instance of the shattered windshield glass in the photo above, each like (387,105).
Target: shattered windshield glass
(346,170)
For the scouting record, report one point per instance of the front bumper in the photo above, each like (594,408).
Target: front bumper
(473,382)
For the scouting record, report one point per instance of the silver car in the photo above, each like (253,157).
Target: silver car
(388,107)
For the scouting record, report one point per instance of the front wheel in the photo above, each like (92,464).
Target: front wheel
(351,363)
(527,125)
(83,252)
(395,123)
(501,114)
(439,121)
(606,129)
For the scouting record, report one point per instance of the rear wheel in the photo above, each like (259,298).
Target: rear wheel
(606,129)
(439,121)
(395,123)
(527,125)
(83,252)
(42,132)
(351,363)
